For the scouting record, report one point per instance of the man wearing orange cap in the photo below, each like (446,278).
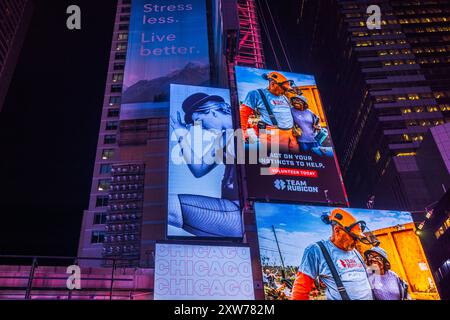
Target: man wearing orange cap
(336,262)
(274,112)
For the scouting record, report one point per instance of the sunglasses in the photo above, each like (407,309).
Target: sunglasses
(362,225)
(374,256)
(369,239)
(297,100)
(288,82)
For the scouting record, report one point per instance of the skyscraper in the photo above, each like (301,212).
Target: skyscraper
(14,18)
(94,219)
(383,88)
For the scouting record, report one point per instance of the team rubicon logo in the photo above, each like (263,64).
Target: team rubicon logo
(294,186)
(349,263)
(280,184)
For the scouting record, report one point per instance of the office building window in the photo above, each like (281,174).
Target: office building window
(443,228)
(117,77)
(447,223)
(103,184)
(101,201)
(122,36)
(114,100)
(120,56)
(443,270)
(113,113)
(116,88)
(107,154)
(100,218)
(377,156)
(112,125)
(121,46)
(105,168)
(109,139)
(97,237)
(119,66)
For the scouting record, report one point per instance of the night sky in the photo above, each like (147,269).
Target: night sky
(49,126)
(50,121)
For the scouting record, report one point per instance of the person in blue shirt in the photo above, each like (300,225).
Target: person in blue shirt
(273,111)
(350,281)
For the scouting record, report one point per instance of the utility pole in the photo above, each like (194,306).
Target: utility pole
(279,251)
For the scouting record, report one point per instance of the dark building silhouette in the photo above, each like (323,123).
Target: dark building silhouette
(435,237)
(423,178)
(433,159)
(15,16)
(382,90)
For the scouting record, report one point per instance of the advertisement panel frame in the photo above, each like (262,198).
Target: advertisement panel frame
(252,195)
(297,227)
(239,186)
(210,244)
(150,29)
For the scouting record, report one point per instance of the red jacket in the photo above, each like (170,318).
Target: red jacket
(303,285)
(245,113)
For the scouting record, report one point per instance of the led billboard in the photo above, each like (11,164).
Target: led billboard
(287,135)
(376,254)
(203,197)
(167,43)
(194,272)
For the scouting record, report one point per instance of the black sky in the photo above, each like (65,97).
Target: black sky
(50,121)
(49,126)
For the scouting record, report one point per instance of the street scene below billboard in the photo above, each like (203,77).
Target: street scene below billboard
(167,43)
(195,272)
(203,196)
(283,121)
(328,253)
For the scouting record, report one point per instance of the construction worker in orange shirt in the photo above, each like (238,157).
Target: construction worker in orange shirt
(274,112)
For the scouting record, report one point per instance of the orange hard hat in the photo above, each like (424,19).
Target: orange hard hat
(347,221)
(275,76)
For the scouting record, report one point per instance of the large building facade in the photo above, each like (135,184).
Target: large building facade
(383,89)
(94,219)
(14,19)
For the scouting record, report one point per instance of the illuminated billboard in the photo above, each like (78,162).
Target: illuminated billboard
(203,197)
(376,254)
(195,272)
(167,43)
(286,133)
